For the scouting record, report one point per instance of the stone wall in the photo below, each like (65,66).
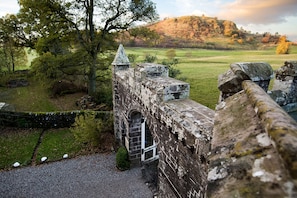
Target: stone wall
(254,140)
(181,127)
(253,156)
(284,90)
(247,148)
(42,120)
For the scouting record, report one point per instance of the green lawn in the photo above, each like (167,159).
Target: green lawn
(17,147)
(56,143)
(201,67)
(32,98)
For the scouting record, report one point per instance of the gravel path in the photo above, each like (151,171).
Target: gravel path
(85,176)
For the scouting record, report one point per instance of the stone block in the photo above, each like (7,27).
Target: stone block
(289,69)
(176,91)
(151,70)
(255,71)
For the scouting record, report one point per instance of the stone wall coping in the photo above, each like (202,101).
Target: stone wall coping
(193,116)
(278,124)
(255,71)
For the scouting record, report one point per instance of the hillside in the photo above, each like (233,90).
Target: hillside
(195,31)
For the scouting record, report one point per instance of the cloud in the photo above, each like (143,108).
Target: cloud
(259,11)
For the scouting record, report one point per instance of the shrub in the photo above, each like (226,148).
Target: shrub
(150,58)
(122,159)
(104,95)
(132,57)
(63,87)
(173,71)
(87,129)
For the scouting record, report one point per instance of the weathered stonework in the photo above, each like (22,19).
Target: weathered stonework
(251,156)
(181,127)
(230,81)
(284,90)
(247,148)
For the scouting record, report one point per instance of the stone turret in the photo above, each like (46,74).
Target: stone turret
(121,61)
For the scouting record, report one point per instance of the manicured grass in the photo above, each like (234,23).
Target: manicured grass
(56,143)
(201,67)
(32,98)
(17,146)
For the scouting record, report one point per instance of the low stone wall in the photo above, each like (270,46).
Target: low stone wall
(277,123)
(253,147)
(43,120)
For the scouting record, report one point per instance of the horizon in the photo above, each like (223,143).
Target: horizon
(270,16)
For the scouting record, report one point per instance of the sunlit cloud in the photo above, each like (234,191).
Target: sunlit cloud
(259,12)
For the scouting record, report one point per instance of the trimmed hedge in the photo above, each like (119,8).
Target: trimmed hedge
(44,120)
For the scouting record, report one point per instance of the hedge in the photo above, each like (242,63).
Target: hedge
(44,119)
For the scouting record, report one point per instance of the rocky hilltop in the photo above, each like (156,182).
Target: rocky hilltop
(194,27)
(196,31)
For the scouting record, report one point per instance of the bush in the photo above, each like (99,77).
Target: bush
(173,71)
(89,126)
(170,53)
(150,58)
(132,58)
(87,129)
(122,159)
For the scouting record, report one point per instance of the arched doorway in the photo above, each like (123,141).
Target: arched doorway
(139,140)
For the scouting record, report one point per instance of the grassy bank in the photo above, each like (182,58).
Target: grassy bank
(201,67)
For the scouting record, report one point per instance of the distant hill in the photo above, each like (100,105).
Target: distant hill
(196,31)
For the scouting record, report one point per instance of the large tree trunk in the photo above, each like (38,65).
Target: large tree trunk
(92,76)
(93,52)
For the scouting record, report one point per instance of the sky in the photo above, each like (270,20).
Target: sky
(274,16)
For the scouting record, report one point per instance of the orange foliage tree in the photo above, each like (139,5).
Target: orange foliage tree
(283,46)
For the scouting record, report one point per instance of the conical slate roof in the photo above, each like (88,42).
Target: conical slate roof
(121,57)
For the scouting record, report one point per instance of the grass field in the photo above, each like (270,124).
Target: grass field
(202,67)
(56,143)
